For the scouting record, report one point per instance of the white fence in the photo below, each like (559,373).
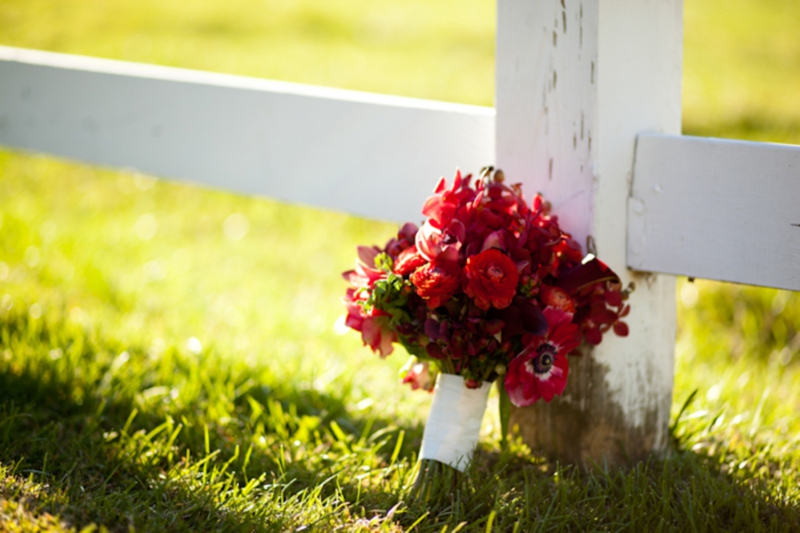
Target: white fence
(577,83)
(319,146)
(716,209)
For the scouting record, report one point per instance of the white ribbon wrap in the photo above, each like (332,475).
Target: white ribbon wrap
(454,423)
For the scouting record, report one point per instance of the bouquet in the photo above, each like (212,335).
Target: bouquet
(489,288)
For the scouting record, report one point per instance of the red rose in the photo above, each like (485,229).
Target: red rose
(492,279)
(408,261)
(437,282)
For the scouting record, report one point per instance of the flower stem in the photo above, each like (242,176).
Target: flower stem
(433,480)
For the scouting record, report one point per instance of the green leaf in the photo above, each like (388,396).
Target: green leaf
(384,262)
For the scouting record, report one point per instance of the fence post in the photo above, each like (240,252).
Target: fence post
(577,80)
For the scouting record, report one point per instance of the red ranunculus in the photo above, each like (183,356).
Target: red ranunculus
(436,282)
(408,261)
(557,298)
(491,279)
(541,370)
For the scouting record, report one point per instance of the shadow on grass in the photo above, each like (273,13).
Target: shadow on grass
(687,492)
(66,405)
(75,419)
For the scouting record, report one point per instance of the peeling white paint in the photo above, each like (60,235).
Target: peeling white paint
(546,141)
(619,73)
(640,50)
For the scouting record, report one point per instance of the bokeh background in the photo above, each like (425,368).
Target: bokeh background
(164,266)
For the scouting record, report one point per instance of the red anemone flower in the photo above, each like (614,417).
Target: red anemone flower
(541,370)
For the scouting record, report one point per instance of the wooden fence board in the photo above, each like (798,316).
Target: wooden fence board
(717,209)
(372,155)
(576,83)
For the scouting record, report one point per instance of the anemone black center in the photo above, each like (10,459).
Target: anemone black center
(546,356)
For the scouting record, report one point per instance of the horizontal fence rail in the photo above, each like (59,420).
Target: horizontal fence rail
(371,155)
(717,209)
(706,208)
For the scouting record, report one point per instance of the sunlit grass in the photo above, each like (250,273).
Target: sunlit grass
(442,50)
(136,256)
(742,69)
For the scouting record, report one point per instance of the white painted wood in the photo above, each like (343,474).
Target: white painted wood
(372,155)
(612,72)
(717,209)
(547,102)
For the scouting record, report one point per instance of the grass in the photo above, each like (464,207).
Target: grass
(164,370)
(442,50)
(741,69)
(167,355)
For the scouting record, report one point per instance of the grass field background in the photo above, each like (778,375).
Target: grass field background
(167,353)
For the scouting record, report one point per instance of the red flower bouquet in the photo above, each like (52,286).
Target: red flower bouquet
(489,287)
